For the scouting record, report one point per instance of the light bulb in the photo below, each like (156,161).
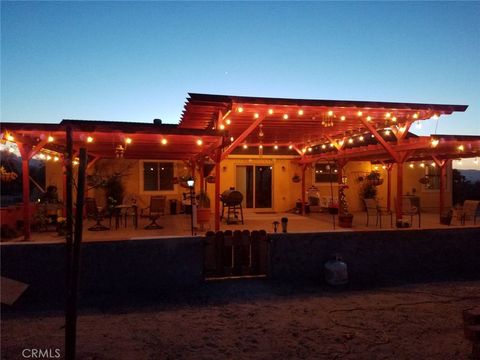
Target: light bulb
(89,139)
(199,142)
(128,140)
(300,112)
(228,121)
(50,138)
(285,116)
(164,141)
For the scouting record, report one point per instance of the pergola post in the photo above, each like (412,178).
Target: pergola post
(25,154)
(218,159)
(340,166)
(389,186)
(304,167)
(398,208)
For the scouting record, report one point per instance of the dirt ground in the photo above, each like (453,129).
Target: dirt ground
(255,320)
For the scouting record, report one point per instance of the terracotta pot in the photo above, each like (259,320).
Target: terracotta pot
(203,215)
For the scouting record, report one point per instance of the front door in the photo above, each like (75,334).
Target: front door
(255,183)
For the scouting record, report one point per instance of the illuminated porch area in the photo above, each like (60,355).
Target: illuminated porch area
(180,225)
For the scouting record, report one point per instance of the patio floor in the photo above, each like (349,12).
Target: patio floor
(179,225)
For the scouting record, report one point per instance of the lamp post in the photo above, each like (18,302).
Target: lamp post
(191,184)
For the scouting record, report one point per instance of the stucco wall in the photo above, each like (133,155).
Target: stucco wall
(378,257)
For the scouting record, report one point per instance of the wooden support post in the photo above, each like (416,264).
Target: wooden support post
(389,186)
(217,189)
(25,153)
(443,182)
(398,207)
(74,258)
(304,167)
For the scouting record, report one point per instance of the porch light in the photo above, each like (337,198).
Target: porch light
(415,116)
(128,140)
(228,121)
(394,119)
(285,116)
(199,142)
(256,116)
(89,139)
(270,111)
(300,112)
(190,182)
(434,142)
(222,127)
(359,113)
(240,109)
(387,115)
(342,118)
(10,137)
(330,113)
(461,147)
(164,141)
(411,165)
(50,139)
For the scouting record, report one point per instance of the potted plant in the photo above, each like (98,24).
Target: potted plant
(374,178)
(203,209)
(345,218)
(368,191)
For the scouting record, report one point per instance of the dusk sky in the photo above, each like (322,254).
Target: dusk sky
(138,60)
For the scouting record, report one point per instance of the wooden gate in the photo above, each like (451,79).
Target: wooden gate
(238,253)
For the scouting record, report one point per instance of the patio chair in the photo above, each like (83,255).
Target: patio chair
(96,213)
(409,209)
(469,211)
(373,209)
(154,210)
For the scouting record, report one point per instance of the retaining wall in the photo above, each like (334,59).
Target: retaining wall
(380,257)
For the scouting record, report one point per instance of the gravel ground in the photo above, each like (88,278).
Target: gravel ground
(249,320)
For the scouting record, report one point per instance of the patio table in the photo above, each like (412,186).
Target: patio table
(122,210)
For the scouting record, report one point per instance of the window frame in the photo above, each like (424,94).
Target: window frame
(141,184)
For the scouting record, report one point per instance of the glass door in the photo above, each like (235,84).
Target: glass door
(255,184)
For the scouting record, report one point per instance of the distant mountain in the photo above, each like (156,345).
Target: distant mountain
(471,175)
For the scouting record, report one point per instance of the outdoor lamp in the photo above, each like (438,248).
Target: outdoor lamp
(190,182)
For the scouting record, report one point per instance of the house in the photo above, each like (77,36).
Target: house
(272,150)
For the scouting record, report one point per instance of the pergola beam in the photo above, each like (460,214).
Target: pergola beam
(381,140)
(242,137)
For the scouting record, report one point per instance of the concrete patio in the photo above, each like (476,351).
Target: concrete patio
(179,225)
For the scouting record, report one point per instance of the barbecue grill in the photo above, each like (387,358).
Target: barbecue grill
(232,200)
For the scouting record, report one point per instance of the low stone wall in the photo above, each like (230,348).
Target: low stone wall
(108,268)
(378,257)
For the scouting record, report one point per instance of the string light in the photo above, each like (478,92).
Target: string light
(324,146)
(89,139)
(50,139)
(460,147)
(422,165)
(342,118)
(164,141)
(270,111)
(49,157)
(361,138)
(415,116)
(10,137)
(384,167)
(245,146)
(387,115)
(350,141)
(276,147)
(128,140)
(387,132)
(394,119)
(359,113)
(56,158)
(199,142)
(260,146)
(300,112)
(228,121)
(232,138)
(330,113)
(285,116)
(433,164)
(375,168)
(240,109)
(434,142)
(369,118)
(222,127)
(42,156)
(331,145)
(411,165)
(290,147)
(75,162)
(256,116)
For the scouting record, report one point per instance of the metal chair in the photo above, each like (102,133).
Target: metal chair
(409,209)
(156,208)
(469,211)
(373,209)
(96,213)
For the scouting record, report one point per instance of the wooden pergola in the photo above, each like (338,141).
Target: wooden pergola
(214,126)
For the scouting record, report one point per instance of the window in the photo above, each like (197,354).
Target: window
(432,176)
(325,173)
(157,176)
